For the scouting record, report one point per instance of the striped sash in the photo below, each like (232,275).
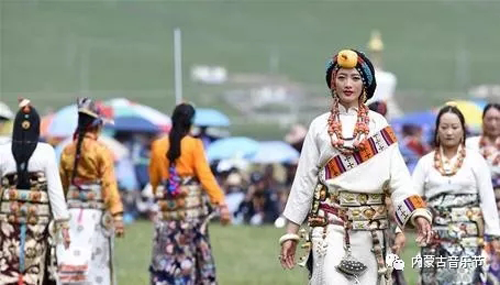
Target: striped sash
(368,148)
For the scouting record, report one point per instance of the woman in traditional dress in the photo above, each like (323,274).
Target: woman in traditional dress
(460,196)
(88,177)
(349,163)
(488,145)
(33,212)
(179,173)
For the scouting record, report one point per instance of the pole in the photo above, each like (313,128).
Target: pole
(178,66)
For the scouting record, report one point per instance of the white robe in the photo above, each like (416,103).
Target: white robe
(368,177)
(43,159)
(471,178)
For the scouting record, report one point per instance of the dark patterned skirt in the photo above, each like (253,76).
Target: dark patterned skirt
(455,256)
(182,254)
(494,266)
(23,251)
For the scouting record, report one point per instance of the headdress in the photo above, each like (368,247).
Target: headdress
(350,58)
(90,114)
(25,135)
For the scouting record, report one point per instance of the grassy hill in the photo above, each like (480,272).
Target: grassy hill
(53,51)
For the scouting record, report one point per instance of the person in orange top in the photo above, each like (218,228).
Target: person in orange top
(179,172)
(88,178)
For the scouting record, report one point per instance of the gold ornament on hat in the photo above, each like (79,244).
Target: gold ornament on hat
(347,58)
(26,125)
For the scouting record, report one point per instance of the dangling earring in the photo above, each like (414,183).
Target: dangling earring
(362,98)
(334,94)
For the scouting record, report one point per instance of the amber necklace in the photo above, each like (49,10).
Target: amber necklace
(439,164)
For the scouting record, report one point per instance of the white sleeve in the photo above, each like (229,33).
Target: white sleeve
(403,192)
(302,191)
(54,185)
(400,178)
(487,197)
(419,176)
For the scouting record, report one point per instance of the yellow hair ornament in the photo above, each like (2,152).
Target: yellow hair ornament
(452,104)
(347,58)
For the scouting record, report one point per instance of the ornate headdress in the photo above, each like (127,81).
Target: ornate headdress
(25,136)
(90,113)
(350,58)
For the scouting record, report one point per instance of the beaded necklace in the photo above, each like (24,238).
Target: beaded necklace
(439,164)
(486,150)
(361,129)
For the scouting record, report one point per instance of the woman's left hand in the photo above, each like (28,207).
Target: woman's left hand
(424,230)
(225,216)
(119,227)
(399,243)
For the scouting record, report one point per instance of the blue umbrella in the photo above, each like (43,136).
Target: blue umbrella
(420,118)
(232,147)
(210,118)
(134,124)
(275,152)
(64,122)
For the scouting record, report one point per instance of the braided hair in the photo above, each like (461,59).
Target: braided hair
(86,123)
(182,120)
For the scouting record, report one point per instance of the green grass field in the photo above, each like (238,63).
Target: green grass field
(244,256)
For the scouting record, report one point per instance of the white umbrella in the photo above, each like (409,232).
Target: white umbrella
(6,112)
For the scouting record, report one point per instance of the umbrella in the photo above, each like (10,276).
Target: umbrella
(63,122)
(275,152)
(6,112)
(472,111)
(126,108)
(119,150)
(232,147)
(422,118)
(134,124)
(210,118)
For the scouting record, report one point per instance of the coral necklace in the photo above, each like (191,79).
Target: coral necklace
(439,164)
(361,128)
(486,150)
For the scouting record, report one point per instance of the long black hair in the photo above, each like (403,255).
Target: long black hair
(489,106)
(454,110)
(182,120)
(86,123)
(25,136)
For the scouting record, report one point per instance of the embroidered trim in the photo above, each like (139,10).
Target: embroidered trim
(405,209)
(368,149)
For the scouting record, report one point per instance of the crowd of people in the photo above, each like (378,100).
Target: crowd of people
(352,187)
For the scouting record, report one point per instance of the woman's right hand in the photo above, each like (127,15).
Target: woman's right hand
(66,238)
(287,256)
